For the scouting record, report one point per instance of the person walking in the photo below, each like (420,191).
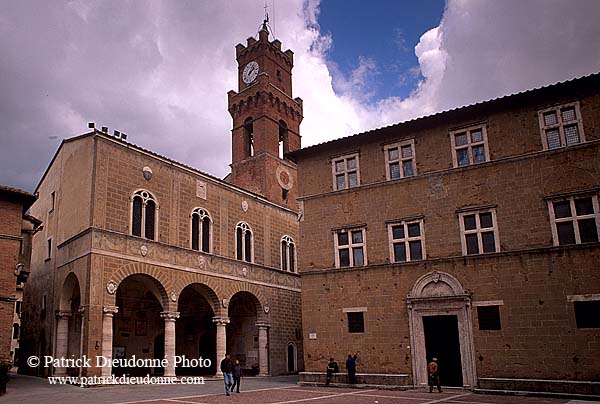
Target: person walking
(332,367)
(434,375)
(227,369)
(351,368)
(237,376)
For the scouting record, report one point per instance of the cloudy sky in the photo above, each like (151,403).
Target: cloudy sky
(160,70)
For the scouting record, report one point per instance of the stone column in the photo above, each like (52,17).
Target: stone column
(107,336)
(221,323)
(170,318)
(62,339)
(263,348)
(81,312)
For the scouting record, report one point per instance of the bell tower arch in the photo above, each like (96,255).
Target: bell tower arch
(266,120)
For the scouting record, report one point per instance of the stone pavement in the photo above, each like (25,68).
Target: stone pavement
(255,390)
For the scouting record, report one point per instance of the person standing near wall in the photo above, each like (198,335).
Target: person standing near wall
(434,375)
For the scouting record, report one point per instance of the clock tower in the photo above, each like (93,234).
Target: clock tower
(266,120)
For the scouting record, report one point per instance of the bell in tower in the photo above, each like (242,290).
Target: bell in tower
(266,120)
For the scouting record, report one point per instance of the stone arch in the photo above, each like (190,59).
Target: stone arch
(437,284)
(160,281)
(71,285)
(259,299)
(211,290)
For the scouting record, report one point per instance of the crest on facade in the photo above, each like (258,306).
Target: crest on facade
(267,309)
(144,250)
(245,271)
(111,287)
(147,172)
(201,262)
(174,296)
(225,302)
(245,206)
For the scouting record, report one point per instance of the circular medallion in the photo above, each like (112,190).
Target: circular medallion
(284,178)
(144,250)
(111,287)
(245,206)
(147,171)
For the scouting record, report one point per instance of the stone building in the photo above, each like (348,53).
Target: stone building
(145,256)
(470,235)
(16,230)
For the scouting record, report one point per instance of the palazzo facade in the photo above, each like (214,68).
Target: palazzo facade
(470,235)
(142,255)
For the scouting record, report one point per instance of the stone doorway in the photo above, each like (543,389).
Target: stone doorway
(442,342)
(440,295)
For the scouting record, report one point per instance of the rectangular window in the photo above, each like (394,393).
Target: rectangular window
(469,146)
(489,317)
(346,173)
(575,220)
(561,126)
(586,314)
(350,248)
(49,249)
(400,160)
(52,201)
(479,232)
(356,322)
(406,241)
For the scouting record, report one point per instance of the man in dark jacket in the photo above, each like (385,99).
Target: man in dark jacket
(351,368)
(227,369)
(332,367)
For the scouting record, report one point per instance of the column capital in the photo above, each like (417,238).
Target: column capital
(221,320)
(63,313)
(263,325)
(169,315)
(110,310)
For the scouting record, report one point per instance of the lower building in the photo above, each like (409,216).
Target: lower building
(471,236)
(16,230)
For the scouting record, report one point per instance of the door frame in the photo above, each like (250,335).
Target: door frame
(440,294)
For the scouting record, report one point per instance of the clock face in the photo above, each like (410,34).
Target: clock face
(250,72)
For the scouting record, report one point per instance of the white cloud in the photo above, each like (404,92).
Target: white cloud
(160,70)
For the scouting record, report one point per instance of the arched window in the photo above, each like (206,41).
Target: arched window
(249,130)
(244,242)
(283,139)
(288,254)
(201,222)
(143,215)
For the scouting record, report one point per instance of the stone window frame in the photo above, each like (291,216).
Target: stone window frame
(350,246)
(48,249)
(401,161)
(489,303)
(245,227)
(574,218)
(478,230)
(560,124)
(290,263)
(470,144)
(202,214)
(145,196)
(407,239)
(345,172)
(362,310)
(52,201)
(594,297)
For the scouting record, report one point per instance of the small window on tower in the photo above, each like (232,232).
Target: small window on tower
(249,129)
(279,75)
(283,139)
